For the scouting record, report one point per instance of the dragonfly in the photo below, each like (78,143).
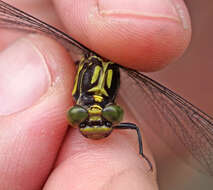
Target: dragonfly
(164,111)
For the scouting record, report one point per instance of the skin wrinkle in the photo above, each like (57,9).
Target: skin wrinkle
(115,175)
(129,14)
(134,14)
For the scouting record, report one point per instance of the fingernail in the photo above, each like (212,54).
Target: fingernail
(182,13)
(24,77)
(142,8)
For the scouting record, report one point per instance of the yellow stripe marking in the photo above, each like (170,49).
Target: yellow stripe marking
(77,76)
(95,110)
(109,78)
(99,89)
(95,118)
(96,74)
(98,98)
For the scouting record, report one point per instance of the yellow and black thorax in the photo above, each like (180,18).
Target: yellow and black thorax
(97,82)
(95,89)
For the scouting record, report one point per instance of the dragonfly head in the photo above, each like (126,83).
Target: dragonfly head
(95,122)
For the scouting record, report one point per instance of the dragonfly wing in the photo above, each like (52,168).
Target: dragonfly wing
(171,117)
(13,18)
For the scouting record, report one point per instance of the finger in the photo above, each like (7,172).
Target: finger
(111,163)
(145,35)
(40,9)
(35,85)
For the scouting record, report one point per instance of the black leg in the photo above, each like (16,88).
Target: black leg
(134,127)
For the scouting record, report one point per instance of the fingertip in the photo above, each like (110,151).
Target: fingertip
(143,35)
(33,133)
(108,163)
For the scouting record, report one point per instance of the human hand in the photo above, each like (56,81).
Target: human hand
(37,76)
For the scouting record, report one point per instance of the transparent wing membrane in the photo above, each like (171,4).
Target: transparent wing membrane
(167,114)
(13,18)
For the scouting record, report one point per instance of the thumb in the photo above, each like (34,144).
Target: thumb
(35,92)
(145,35)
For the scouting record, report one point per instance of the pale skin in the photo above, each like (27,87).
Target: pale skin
(37,149)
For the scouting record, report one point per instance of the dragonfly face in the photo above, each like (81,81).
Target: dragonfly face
(96,85)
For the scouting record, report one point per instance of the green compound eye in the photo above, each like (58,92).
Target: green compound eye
(76,115)
(113,113)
